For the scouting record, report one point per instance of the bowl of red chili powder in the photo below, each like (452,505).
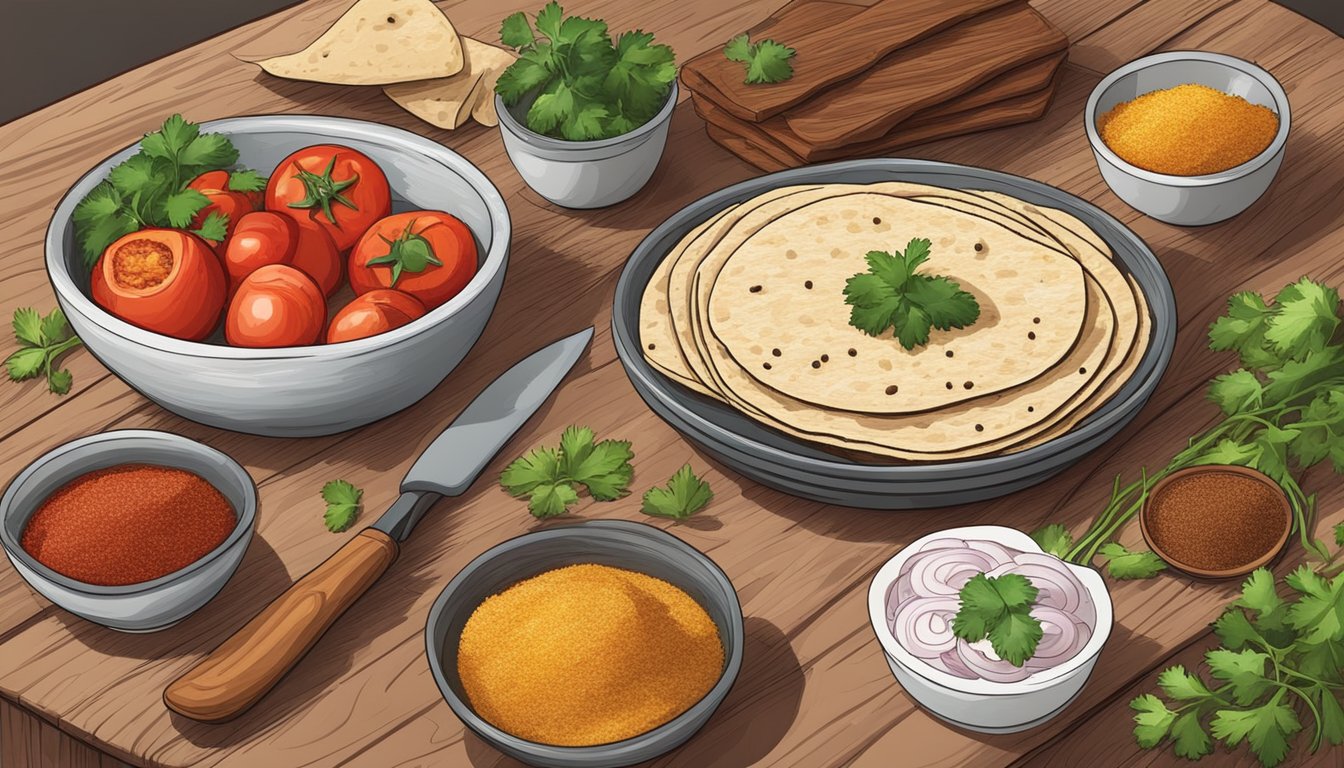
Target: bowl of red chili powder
(132,529)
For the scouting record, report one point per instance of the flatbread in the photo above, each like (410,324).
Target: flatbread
(377,42)
(447,102)
(778,306)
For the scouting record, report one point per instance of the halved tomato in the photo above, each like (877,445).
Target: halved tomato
(163,280)
(337,187)
(373,313)
(429,254)
(275,306)
(316,255)
(258,239)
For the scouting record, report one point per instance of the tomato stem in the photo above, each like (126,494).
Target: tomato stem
(410,252)
(322,190)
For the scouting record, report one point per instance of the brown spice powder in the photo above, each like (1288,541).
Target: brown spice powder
(1215,521)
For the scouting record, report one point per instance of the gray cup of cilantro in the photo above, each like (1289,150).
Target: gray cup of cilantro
(584,117)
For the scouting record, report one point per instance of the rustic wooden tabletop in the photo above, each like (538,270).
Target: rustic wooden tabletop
(814,689)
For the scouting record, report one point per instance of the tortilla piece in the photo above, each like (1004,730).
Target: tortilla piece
(446,102)
(779,309)
(377,42)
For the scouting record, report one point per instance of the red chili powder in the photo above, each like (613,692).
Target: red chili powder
(128,524)
(1216,521)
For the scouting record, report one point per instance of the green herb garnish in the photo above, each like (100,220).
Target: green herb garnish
(1125,564)
(41,341)
(587,86)
(149,189)
(891,295)
(1054,539)
(684,495)
(766,61)
(551,477)
(343,505)
(1278,658)
(1000,608)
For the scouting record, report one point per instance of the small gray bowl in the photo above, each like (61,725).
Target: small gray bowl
(585,174)
(617,543)
(151,605)
(312,390)
(1189,200)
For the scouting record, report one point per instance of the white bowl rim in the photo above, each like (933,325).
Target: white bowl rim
(886,575)
(333,130)
(1262,75)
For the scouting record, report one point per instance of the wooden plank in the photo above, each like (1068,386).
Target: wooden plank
(28,741)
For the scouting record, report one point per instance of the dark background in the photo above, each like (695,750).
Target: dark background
(50,49)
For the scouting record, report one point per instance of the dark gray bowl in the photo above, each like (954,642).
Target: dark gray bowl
(617,543)
(784,463)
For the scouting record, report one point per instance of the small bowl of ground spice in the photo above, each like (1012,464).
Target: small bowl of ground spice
(601,644)
(1188,137)
(131,529)
(1216,521)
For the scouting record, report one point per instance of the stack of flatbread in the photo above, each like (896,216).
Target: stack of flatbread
(749,309)
(411,49)
(868,80)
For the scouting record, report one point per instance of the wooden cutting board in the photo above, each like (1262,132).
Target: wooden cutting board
(828,53)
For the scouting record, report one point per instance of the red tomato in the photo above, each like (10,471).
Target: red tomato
(316,255)
(335,186)
(428,254)
(258,239)
(215,186)
(275,306)
(373,313)
(163,280)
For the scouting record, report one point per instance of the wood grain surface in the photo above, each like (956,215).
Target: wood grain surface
(814,688)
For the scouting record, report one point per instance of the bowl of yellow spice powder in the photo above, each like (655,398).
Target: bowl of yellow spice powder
(1188,137)
(595,645)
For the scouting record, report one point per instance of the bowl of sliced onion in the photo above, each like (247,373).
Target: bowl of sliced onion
(1044,622)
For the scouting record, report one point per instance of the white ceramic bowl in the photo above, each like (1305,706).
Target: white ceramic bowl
(151,605)
(314,390)
(585,174)
(982,705)
(1189,200)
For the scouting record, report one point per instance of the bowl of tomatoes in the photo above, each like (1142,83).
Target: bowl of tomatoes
(280,275)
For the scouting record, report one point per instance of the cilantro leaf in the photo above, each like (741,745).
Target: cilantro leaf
(1124,564)
(515,31)
(765,62)
(59,381)
(343,505)
(42,341)
(101,218)
(1242,330)
(1152,720)
(1237,391)
(215,227)
(1188,738)
(1244,670)
(26,363)
(1265,728)
(551,499)
(684,495)
(1317,612)
(891,295)
(54,328)
(182,207)
(549,476)
(1054,539)
(738,49)
(999,608)
(1332,715)
(246,180)
(1235,631)
(1339,534)
(538,467)
(1015,637)
(1306,317)
(28,327)
(1181,685)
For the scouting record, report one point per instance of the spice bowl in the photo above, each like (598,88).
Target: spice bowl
(1246,488)
(151,605)
(615,543)
(1189,200)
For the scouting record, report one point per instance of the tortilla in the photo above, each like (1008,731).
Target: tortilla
(377,42)
(447,101)
(778,306)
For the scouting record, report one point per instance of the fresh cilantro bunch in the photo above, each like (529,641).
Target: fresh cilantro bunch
(344,501)
(1279,659)
(1121,562)
(766,61)
(1282,410)
(149,189)
(587,87)
(891,295)
(1000,608)
(684,495)
(41,341)
(551,477)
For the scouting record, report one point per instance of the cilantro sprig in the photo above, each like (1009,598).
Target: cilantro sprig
(1123,563)
(586,86)
(891,295)
(684,495)
(42,340)
(344,501)
(999,607)
(1277,658)
(550,478)
(765,62)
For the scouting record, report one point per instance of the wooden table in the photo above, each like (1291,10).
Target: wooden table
(814,689)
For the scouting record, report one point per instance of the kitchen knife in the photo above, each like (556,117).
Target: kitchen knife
(247,665)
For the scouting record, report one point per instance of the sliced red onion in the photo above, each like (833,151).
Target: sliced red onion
(980,658)
(948,543)
(996,551)
(952,664)
(923,626)
(942,572)
(899,592)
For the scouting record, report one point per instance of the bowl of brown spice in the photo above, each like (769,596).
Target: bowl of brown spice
(130,529)
(595,645)
(1188,137)
(1216,521)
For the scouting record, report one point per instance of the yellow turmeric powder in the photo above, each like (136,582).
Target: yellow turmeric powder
(587,655)
(1189,130)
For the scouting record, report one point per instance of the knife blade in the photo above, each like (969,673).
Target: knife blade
(244,667)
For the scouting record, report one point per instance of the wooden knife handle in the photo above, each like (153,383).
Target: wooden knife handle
(247,665)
